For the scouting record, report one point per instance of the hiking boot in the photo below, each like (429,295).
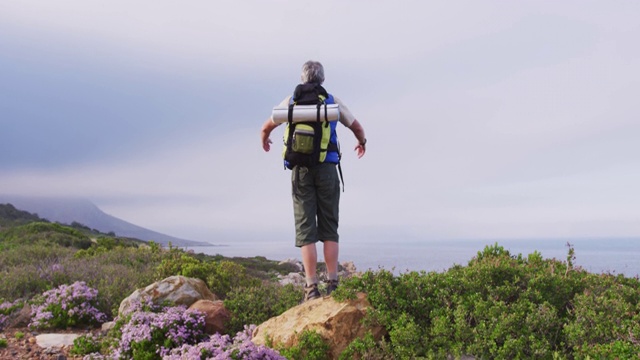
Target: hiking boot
(311,292)
(331,285)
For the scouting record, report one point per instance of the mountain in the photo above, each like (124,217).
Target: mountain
(68,210)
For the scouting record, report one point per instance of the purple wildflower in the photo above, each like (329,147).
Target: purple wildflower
(159,333)
(222,347)
(67,305)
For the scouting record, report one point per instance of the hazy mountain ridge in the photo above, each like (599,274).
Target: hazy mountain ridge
(68,210)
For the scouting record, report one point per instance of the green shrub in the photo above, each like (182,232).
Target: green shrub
(220,276)
(227,276)
(86,344)
(44,232)
(8,308)
(262,268)
(257,304)
(310,346)
(22,282)
(3,343)
(117,273)
(39,253)
(19,335)
(367,348)
(502,306)
(30,270)
(605,317)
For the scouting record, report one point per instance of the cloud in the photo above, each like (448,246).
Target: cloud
(483,119)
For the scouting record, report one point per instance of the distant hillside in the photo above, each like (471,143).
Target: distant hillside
(9,216)
(68,210)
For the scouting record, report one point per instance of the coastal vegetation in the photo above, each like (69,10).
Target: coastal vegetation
(498,306)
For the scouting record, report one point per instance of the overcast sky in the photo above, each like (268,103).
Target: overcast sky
(484,119)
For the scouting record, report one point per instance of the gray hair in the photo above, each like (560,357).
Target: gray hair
(312,72)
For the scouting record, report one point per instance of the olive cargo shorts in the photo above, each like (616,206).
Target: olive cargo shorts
(316,199)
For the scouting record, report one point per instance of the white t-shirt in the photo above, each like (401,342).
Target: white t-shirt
(346,117)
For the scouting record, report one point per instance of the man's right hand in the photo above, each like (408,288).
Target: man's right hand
(266,144)
(267,128)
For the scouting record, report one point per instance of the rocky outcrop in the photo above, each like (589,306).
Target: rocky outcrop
(292,278)
(297,264)
(178,290)
(348,269)
(339,323)
(345,269)
(216,315)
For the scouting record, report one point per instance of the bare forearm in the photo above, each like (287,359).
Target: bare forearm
(358,131)
(267,128)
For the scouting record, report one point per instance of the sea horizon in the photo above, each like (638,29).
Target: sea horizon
(596,255)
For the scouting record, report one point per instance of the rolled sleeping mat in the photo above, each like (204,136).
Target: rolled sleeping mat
(304,113)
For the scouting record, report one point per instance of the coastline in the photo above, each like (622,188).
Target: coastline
(616,256)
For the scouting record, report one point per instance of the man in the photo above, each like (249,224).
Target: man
(316,192)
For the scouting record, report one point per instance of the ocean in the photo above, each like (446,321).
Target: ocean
(601,255)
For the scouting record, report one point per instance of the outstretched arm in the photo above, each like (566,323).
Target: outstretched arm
(358,131)
(267,128)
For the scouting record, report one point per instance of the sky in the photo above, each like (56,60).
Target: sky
(490,120)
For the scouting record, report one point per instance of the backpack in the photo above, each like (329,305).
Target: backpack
(307,143)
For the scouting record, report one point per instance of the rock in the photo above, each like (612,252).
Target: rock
(106,327)
(216,315)
(51,341)
(349,268)
(338,323)
(291,278)
(178,290)
(20,318)
(296,263)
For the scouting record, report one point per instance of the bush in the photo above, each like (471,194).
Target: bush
(605,318)
(223,347)
(367,348)
(310,346)
(502,306)
(153,334)
(220,276)
(85,344)
(257,304)
(44,232)
(30,270)
(33,269)
(116,273)
(66,306)
(7,308)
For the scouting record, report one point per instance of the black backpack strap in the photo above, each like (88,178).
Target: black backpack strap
(336,146)
(290,124)
(290,130)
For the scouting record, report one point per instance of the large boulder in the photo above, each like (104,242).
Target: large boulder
(339,323)
(216,315)
(178,290)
